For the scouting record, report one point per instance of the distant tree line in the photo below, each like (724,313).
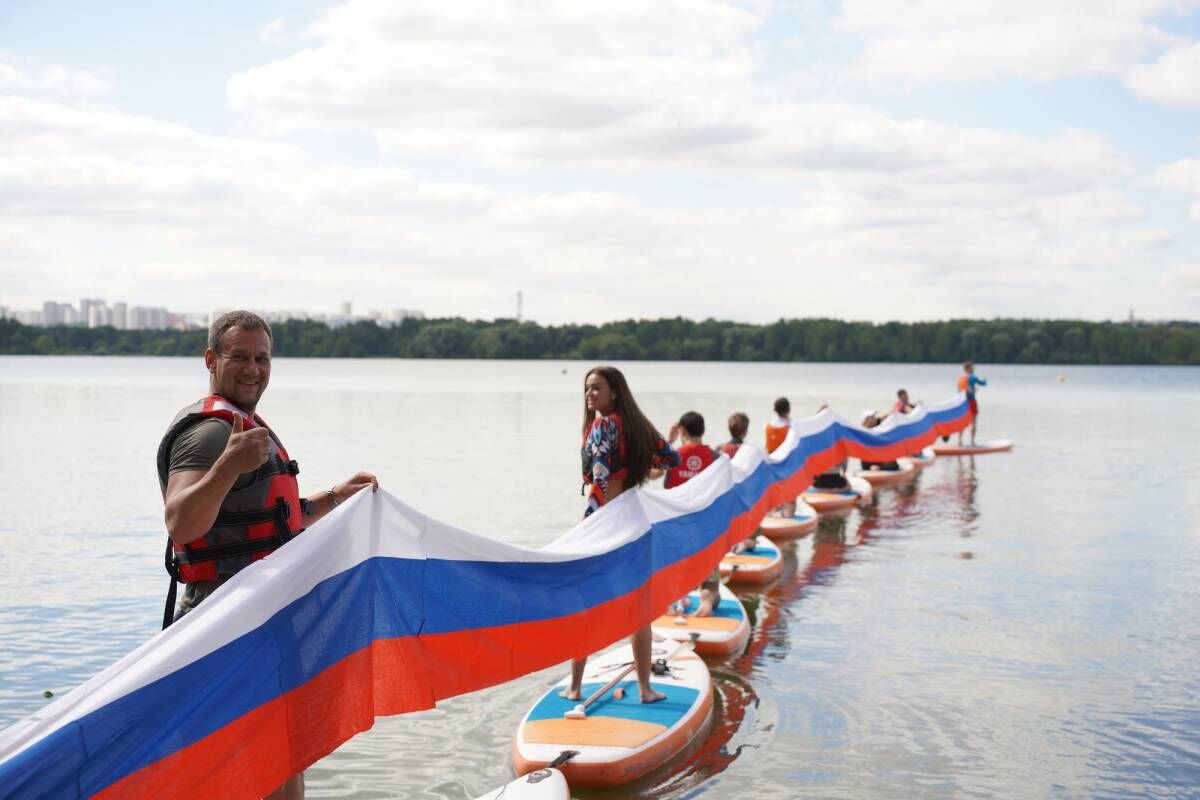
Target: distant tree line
(1001,341)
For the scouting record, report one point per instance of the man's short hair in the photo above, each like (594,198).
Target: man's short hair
(783,407)
(693,423)
(901,392)
(739,424)
(246,320)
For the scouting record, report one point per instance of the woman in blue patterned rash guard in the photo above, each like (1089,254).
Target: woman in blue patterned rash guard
(620,447)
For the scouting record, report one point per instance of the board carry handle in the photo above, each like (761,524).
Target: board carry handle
(579,711)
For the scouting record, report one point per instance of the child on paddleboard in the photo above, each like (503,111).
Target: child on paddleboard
(619,449)
(739,426)
(776,433)
(904,406)
(694,457)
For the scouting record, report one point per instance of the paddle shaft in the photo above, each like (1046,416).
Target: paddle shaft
(596,695)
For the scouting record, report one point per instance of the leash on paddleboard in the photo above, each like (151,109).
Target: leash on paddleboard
(579,711)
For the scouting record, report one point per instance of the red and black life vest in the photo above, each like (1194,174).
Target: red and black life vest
(693,458)
(253,521)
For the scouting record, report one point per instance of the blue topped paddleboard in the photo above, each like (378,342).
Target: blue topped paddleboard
(621,738)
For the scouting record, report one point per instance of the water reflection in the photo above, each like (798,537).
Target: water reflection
(1005,626)
(737,726)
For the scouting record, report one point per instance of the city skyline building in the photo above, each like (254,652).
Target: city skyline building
(94,312)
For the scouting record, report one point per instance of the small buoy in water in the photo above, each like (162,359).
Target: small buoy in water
(619,693)
(1062,378)
(47,693)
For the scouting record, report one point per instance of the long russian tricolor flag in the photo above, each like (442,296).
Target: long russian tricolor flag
(379,609)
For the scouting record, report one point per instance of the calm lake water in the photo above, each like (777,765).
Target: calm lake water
(1014,625)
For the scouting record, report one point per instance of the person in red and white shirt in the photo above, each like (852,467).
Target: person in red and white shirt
(694,457)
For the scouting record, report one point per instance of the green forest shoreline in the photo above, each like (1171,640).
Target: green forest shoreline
(998,341)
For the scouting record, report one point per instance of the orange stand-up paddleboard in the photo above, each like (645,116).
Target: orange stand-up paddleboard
(887,477)
(994,446)
(725,631)
(801,523)
(761,564)
(618,740)
(826,500)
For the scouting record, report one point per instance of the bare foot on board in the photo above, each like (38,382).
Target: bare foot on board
(651,696)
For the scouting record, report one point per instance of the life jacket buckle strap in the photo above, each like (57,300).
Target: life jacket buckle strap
(279,513)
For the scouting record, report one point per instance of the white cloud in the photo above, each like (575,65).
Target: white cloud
(1173,80)
(1181,176)
(625,87)
(274,32)
(1184,278)
(603,158)
(949,41)
(517,81)
(19,76)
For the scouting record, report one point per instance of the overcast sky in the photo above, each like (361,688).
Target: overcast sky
(865,159)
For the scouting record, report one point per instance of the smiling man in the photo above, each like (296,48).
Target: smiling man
(228,484)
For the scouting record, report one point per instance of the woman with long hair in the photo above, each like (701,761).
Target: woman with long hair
(620,447)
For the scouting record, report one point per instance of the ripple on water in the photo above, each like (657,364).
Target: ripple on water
(1058,661)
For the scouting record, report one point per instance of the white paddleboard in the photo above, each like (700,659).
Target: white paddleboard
(924,458)
(541,784)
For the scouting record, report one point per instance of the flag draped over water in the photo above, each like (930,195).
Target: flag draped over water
(379,609)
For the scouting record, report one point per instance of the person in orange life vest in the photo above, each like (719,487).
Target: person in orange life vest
(776,433)
(226,478)
(777,429)
(620,447)
(739,426)
(872,420)
(694,457)
(967,383)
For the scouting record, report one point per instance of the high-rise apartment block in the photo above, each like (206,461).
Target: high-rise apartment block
(94,312)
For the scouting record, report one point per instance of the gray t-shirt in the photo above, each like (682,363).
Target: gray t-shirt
(199,447)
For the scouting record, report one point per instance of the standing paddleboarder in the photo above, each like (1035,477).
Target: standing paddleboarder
(229,487)
(967,383)
(620,447)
